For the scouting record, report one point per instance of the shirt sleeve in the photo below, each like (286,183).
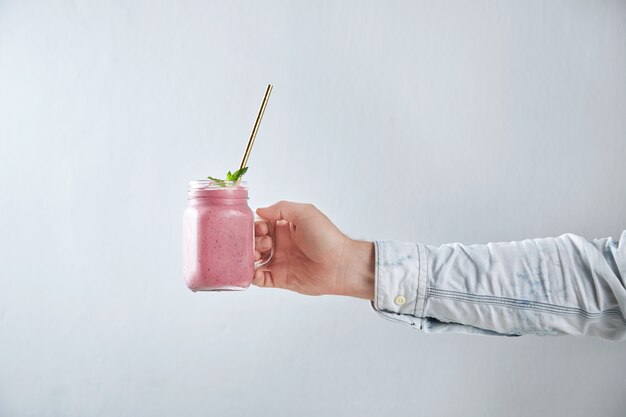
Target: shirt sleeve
(566,285)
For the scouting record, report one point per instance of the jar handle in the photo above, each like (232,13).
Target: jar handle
(265,259)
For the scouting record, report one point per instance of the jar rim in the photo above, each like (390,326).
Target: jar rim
(214,185)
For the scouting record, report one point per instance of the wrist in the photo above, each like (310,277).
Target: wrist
(358,269)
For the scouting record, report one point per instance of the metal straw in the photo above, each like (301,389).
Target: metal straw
(257,123)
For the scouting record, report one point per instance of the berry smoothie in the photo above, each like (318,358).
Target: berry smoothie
(218,238)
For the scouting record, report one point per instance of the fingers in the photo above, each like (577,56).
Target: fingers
(286,210)
(263,243)
(261,228)
(263,278)
(262,240)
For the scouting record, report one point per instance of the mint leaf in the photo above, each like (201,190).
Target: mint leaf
(236,176)
(218,181)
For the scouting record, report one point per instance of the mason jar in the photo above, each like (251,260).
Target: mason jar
(218,237)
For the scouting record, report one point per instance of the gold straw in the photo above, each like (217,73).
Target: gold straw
(257,123)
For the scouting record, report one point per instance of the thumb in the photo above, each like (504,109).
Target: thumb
(285,210)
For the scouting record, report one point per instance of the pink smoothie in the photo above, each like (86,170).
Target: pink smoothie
(218,238)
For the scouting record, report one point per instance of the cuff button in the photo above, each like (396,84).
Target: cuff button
(399,300)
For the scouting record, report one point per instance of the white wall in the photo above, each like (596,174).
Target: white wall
(419,121)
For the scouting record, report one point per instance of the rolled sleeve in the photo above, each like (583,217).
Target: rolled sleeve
(544,286)
(400,282)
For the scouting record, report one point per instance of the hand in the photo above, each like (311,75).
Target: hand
(311,255)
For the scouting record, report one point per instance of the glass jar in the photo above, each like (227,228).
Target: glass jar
(218,237)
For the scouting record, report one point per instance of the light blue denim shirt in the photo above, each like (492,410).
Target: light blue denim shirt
(548,286)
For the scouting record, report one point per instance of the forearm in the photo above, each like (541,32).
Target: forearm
(357,269)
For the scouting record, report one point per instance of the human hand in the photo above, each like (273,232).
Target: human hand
(311,255)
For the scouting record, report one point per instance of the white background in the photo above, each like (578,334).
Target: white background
(411,120)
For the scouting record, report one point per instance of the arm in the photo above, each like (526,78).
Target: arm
(548,286)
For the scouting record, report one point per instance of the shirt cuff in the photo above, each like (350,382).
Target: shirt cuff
(400,282)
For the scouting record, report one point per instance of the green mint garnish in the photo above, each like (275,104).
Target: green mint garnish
(219,182)
(236,176)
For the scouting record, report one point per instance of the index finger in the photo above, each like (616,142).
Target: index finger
(286,210)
